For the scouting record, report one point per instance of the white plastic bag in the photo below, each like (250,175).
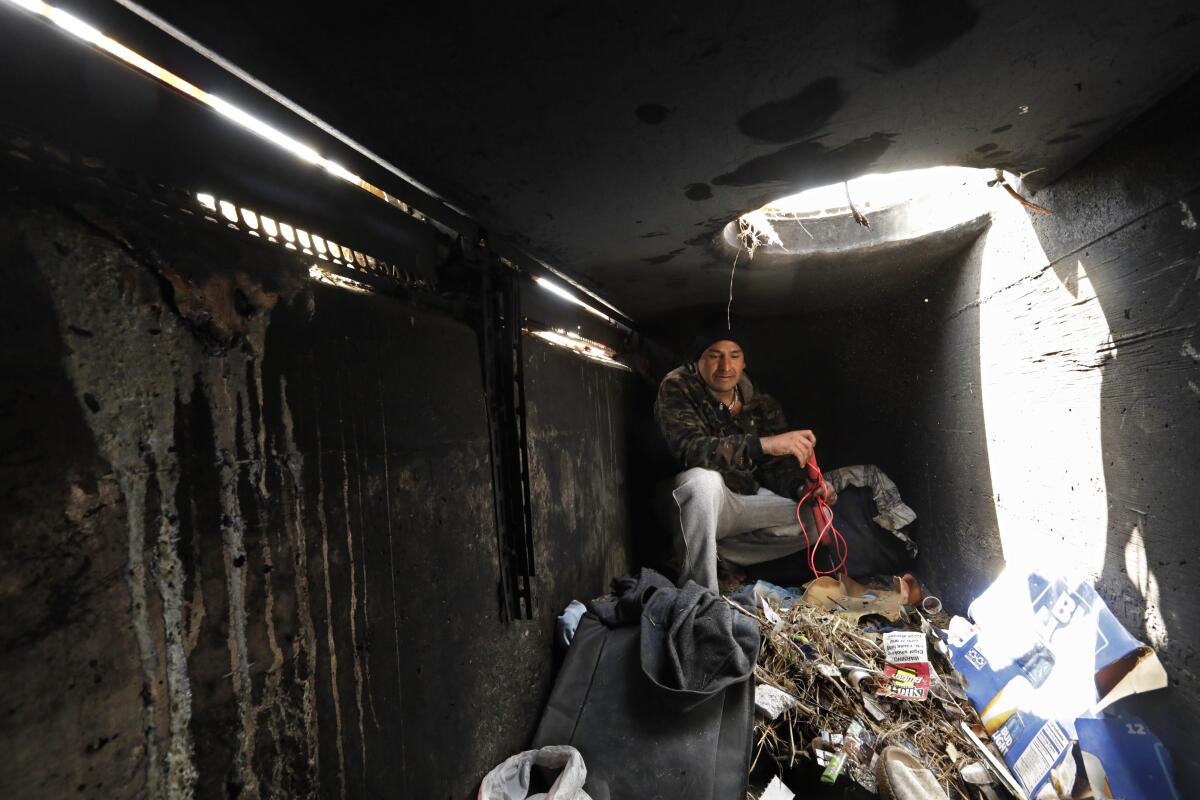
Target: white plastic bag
(510,780)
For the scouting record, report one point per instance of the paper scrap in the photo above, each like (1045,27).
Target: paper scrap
(777,791)
(847,598)
(859,743)
(904,647)
(770,614)
(873,708)
(772,702)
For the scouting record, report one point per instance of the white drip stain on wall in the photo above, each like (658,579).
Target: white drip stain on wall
(305,656)
(362,527)
(330,640)
(127,384)
(356,657)
(226,390)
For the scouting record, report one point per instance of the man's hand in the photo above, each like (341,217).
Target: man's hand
(827,493)
(793,443)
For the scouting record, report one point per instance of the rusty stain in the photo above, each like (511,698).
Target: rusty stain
(221,308)
(220,376)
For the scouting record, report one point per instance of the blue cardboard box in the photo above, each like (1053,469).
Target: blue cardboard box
(1040,655)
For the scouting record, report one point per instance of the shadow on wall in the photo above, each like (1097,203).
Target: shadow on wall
(1042,343)
(944,447)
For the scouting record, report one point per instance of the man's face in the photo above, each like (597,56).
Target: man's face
(721,365)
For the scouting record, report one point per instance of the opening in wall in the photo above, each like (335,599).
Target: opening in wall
(867,212)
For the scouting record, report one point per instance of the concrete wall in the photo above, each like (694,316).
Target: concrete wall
(248,545)
(847,374)
(1061,380)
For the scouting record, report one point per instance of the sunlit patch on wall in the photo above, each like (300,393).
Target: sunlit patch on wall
(1043,344)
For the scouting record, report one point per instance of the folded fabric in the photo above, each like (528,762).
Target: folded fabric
(892,513)
(693,643)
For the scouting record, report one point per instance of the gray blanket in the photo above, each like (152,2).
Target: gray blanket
(693,643)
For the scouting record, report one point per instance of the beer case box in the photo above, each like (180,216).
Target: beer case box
(1041,655)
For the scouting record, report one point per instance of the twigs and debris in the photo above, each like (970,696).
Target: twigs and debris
(755,230)
(832,667)
(1001,180)
(859,217)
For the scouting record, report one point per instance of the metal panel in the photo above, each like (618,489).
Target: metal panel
(503,370)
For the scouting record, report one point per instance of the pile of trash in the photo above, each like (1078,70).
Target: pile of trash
(853,684)
(679,694)
(847,670)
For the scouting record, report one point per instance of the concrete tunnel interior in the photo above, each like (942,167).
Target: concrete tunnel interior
(262,264)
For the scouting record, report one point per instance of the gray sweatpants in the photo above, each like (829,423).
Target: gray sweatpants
(709,520)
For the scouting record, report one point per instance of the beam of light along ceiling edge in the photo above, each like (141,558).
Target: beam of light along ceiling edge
(93,36)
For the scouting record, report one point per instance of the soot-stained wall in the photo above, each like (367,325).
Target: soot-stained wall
(1061,385)
(847,373)
(256,556)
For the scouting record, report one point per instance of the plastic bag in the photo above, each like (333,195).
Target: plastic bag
(510,780)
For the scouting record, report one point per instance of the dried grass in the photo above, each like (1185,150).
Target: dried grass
(829,704)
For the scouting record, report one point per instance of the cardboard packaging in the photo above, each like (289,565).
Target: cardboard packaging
(1042,660)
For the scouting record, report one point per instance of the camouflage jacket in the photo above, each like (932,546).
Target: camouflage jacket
(700,432)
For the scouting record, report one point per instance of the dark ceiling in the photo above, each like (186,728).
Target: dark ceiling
(617,139)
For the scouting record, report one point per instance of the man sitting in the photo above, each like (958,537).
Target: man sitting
(743,473)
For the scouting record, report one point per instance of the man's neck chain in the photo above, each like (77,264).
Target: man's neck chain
(735,404)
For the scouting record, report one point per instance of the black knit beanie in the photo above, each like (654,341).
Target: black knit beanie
(713,332)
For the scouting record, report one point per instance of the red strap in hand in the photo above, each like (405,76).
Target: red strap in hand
(824,517)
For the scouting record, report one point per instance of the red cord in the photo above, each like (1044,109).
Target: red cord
(824,516)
